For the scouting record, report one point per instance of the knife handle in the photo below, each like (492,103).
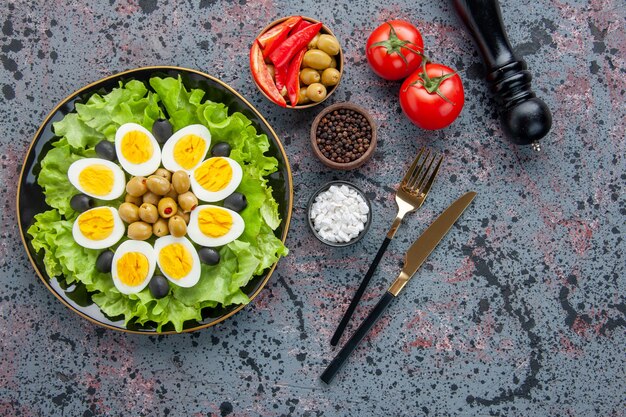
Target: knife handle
(359,293)
(334,366)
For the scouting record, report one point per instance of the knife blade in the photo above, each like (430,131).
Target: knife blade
(424,245)
(413,259)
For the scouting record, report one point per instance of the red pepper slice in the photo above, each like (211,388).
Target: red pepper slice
(293,44)
(293,77)
(288,24)
(262,75)
(280,75)
(270,40)
(301,25)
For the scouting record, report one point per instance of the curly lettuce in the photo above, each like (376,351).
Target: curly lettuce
(257,248)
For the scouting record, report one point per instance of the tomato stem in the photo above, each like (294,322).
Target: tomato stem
(432,84)
(394,45)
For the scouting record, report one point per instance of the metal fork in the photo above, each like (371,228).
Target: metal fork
(409,197)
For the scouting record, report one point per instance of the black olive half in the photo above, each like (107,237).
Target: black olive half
(236,202)
(106,150)
(104,261)
(162,130)
(209,256)
(221,149)
(159,287)
(81,202)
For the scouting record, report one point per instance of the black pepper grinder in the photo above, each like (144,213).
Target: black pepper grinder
(525,118)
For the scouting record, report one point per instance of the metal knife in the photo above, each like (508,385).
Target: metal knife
(413,259)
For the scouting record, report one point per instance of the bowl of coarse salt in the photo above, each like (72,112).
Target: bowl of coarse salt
(339,213)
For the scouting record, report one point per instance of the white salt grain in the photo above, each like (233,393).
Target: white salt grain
(339,214)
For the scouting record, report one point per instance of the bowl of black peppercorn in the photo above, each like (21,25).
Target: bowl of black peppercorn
(343,136)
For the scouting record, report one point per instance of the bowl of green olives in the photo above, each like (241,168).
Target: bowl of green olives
(320,63)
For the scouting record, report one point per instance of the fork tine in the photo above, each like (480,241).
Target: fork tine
(418,184)
(431,179)
(418,172)
(411,170)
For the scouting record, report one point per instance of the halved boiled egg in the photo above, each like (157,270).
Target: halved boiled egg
(216,178)
(214,226)
(133,266)
(178,260)
(137,150)
(97,178)
(186,148)
(98,228)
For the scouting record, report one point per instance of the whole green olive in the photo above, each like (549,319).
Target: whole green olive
(333,62)
(167,207)
(128,212)
(316,59)
(172,193)
(302,97)
(137,186)
(148,213)
(132,199)
(313,43)
(162,172)
(316,92)
(159,228)
(309,76)
(187,201)
(139,231)
(177,226)
(330,77)
(185,216)
(158,185)
(151,198)
(328,44)
(180,181)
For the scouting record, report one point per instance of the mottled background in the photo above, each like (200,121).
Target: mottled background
(520,311)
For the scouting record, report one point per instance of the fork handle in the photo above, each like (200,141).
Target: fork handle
(334,366)
(359,292)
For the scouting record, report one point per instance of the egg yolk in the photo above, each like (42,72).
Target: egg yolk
(136,147)
(214,222)
(132,268)
(96,224)
(214,174)
(175,260)
(96,179)
(189,150)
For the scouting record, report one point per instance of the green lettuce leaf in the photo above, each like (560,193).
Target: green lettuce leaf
(78,134)
(130,103)
(53,175)
(180,104)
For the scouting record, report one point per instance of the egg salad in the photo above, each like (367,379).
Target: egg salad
(134,220)
(158,203)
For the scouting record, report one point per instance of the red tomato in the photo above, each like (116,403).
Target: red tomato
(432,97)
(394,49)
